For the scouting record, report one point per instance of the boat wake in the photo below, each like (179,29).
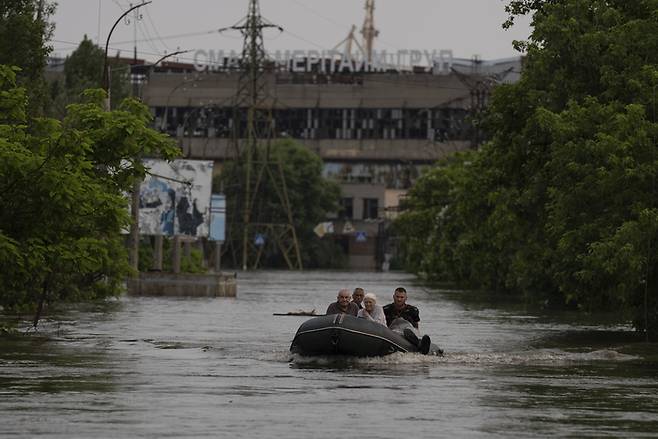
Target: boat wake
(547,357)
(544,357)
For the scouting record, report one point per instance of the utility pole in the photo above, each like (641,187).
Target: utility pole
(252,96)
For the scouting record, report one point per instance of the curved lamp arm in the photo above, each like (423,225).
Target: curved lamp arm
(107,42)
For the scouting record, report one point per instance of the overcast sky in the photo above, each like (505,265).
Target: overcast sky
(467,27)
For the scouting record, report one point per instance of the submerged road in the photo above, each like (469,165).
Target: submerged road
(164,367)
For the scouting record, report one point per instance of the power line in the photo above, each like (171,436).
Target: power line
(155,29)
(178,36)
(316,13)
(143,30)
(303,39)
(161,38)
(141,52)
(119,5)
(342,26)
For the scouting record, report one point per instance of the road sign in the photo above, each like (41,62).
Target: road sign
(360,236)
(217,218)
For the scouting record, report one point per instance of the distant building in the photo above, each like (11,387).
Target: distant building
(375,132)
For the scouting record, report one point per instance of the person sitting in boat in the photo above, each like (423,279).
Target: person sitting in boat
(343,304)
(400,311)
(357,297)
(371,311)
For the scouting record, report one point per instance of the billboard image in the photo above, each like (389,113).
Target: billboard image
(174,198)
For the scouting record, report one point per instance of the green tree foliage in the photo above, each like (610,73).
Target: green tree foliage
(311,198)
(24,32)
(62,188)
(194,263)
(560,205)
(83,69)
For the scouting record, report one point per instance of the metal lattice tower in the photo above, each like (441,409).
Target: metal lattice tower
(252,96)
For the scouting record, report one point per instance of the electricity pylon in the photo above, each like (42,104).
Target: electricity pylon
(252,96)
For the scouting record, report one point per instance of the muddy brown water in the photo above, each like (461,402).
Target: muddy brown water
(166,367)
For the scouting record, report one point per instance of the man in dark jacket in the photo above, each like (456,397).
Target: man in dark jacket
(357,296)
(343,304)
(400,309)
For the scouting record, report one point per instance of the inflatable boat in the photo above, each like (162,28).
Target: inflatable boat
(342,334)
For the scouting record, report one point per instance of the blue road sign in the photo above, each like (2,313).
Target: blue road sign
(217,217)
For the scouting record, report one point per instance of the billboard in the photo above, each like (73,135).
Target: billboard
(174,198)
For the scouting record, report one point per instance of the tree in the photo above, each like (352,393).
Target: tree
(83,70)
(62,187)
(24,32)
(560,205)
(311,198)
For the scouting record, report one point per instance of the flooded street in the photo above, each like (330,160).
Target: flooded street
(163,367)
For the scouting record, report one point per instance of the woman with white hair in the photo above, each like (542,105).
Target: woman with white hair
(372,311)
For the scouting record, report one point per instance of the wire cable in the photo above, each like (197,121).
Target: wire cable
(342,26)
(155,30)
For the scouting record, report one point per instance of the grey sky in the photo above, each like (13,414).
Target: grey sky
(467,27)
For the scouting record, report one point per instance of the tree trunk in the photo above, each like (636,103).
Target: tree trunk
(42,300)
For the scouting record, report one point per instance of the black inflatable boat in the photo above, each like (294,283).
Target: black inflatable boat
(342,334)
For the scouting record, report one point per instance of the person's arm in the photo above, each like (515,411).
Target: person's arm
(330,309)
(364,314)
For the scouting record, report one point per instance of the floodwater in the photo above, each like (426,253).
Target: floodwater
(163,367)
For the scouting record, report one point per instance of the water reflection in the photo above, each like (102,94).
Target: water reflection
(37,363)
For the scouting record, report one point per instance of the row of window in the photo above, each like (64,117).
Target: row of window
(392,175)
(434,124)
(370,208)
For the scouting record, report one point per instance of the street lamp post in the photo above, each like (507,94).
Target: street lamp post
(134,225)
(148,68)
(134,206)
(106,85)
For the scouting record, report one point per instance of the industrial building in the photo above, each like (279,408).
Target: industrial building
(376,119)
(375,131)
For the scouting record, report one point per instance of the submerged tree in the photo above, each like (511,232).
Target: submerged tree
(62,187)
(561,204)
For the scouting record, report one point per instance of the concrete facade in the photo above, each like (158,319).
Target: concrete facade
(183,285)
(375,132)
